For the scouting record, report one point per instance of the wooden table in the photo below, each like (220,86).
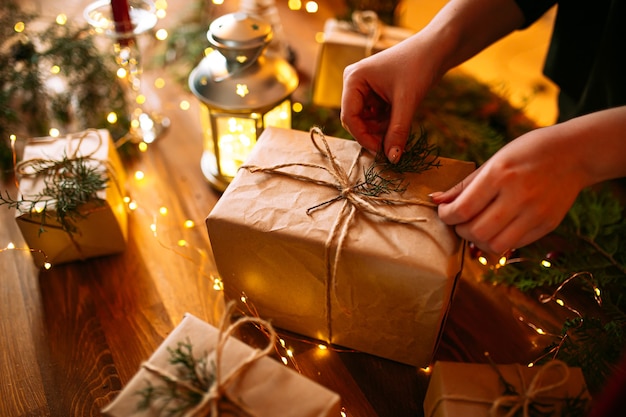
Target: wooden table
(71,337)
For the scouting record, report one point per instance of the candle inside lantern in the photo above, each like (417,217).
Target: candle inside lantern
(121,18)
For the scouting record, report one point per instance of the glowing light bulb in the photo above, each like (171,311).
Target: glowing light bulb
(11,245)
(482,260)
(142,146)
(163,211)
(47,265)
(139,175)
(546,263)
(189,224)
(322,347)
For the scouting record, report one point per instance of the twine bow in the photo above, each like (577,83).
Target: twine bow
(367,23)
(512,402)
(354,200)
(217,393)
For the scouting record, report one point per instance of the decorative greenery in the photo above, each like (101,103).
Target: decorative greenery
(29,60)
(172,398)
(69,184)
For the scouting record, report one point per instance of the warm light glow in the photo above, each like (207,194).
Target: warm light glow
(54,132)
(311,7)
(159,83)
(143,146)
(596,290)
(218,1)
(189,224)
(322,347)
(184,105)
(319,37)
(182,243)
(19,27)
(141,99)
(243,299)
(55,69)
(13,138)
(242,90)
(10,245)
(427,370)
(482,260)
(132,205)
(161,34)
(285,360)
(163,211)
(126,199)
(139,175)
(218,285)
(530,365)
(121,73)
(539,330)
(290,353)
(161,14)
(559,302)
(237,137)
(502,261)
(61,19)
(297,107)
(112,117)
(47,265)
(546,263)
(153,227)
(294,4)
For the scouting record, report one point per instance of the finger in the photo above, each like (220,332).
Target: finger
(399,129)
(473,197)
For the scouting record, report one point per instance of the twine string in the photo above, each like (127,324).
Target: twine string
(217,395)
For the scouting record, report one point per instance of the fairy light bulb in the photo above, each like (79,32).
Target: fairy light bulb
(11,245)
(47,265)
(322,346)
(218,285)
(189,224)
(482,260)
(546,263)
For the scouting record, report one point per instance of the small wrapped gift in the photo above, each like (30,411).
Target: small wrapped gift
(230,378)
(484,390)
(92,228)
(345,43)
(328,263)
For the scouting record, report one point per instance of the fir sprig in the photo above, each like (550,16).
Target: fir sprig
(171,398)
(69,183)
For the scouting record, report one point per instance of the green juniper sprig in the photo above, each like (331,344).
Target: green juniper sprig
(174,399)
(69,184)
(383,177)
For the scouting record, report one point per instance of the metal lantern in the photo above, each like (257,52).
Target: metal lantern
(242,90)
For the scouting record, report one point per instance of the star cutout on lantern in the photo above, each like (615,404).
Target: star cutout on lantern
(242,90)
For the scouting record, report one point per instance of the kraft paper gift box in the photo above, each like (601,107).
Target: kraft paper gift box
(101,229)
(266,388)
(393,282)
(471,390)
(344,43)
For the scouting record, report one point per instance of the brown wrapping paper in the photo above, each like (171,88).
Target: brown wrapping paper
(394,282)
(341,46)
(103,231)
(267,388)
(470,390)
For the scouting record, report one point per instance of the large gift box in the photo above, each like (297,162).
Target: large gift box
(256,384)
(483,390)
(100,226)
(345,43)
(358,280)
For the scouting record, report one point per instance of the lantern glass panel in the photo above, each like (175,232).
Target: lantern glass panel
(236,136)
(279,116)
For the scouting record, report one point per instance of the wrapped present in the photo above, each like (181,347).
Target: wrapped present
(485,390)
(95,227)
(345,43)
(333,265)
(230,376)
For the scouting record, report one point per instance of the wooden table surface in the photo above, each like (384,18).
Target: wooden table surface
(71,337)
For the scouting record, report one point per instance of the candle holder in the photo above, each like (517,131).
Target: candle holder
(241,90)
(144,126)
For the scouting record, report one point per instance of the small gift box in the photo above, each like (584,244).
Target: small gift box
(228,378)
(483,390)
(345,43)
(82,173)
(333,265)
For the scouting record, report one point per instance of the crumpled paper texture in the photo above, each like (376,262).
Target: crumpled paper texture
(480,381)
(394,282)
(267,388)
(104,229)
(340,48)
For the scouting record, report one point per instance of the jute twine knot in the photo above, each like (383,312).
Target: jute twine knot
(218,396)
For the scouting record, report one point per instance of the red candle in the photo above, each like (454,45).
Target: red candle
(121,17)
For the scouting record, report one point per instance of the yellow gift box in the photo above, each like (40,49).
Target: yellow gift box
(484,390)
(248,381)
(101,227)
(345,43)
(372,284)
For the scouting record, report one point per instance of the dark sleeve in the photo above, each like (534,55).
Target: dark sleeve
(534,9)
